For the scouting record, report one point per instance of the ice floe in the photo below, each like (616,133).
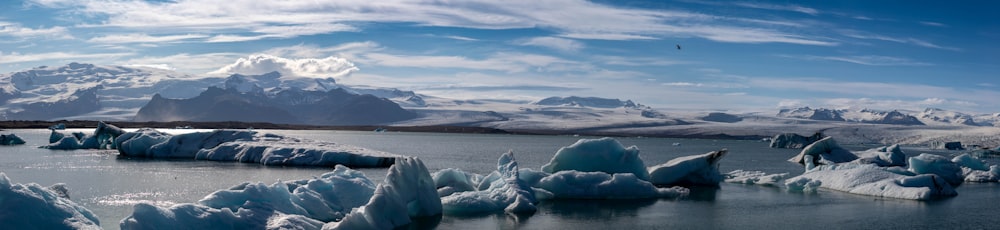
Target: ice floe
(31,206)
(247,146)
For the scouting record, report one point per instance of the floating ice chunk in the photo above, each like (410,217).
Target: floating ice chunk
(802,184)
(754,177)
(247,146)
(102,138)
(868,179)
(991,175)
(825,151)
(976,170)
(301,204)
(967,161)
(700,169)
(408,191)
(938,165)
(599,185)
(31,206)
(598,155)
(11,139)
(509,193)
(883,156)
(793,140)
(450,181)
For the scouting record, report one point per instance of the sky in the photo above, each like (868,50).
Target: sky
(733,55)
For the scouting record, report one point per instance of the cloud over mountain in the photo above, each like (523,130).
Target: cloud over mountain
(306,67)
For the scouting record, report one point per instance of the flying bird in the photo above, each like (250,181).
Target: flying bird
(678,47)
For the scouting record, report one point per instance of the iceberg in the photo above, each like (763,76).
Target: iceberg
(102,138)
(298,204)
(700,169)
(793,140)
(754,177)
(247,146)
(11,139)
(31,206)
(599,185)
(598,155)
(508,193)
(869,179)
(883,156)
(938,165)
(826,151)
(341,199)
(408,191)
(976,170)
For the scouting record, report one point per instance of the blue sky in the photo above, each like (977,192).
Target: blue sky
(742,55)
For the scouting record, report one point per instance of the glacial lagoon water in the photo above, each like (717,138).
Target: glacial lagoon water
(109,185)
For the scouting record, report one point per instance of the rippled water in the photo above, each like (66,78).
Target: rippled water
(109,185)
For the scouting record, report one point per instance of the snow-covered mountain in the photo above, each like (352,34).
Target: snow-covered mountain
(94,92)
(595,102)
(819,114)
(894,117)
(935,115)
(38,93)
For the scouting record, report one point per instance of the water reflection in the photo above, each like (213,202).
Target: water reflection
(703,193)
(427,222)
(599,209)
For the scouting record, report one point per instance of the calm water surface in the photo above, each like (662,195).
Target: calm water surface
(109,185)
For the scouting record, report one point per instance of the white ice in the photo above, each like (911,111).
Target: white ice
(599,185)
(938,165)
(247,146)
(598,155)
(102,138)
(825,151)
(754,177)
(700,169)
(508,192)
(869,179)
(311,202)
(342,199)
(408,191)
(976,170)
(883,156)
(31,206)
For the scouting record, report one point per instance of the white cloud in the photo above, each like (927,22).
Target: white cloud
(245,20)
(15,57)
(306,67)
(190,63)
(15,30)
(461,38)
(910,41)
(639,61)
(154,66)
(935,24)
(871,60)
(560,44)
(682,84)
(793,8)
(349,50)
(144,38)
(607,36)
